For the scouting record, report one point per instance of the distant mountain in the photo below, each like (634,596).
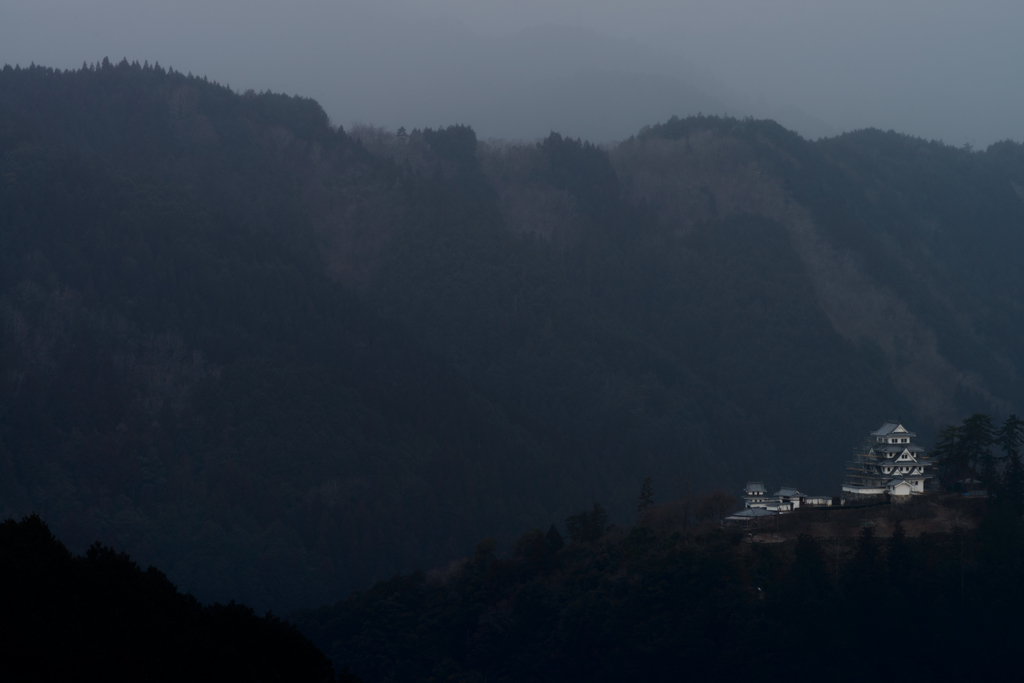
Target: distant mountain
(279,359)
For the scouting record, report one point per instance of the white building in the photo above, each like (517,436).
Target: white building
(755,495)
(889,462)
(786,499)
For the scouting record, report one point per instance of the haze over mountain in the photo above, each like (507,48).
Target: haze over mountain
(598,70)
(279,359)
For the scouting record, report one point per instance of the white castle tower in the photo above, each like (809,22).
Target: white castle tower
(889,462)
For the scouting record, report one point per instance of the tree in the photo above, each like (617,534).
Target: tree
(809,575)
(1010,437)
(484,554)
(714,506)
(554,539)
(685,500)
(950,456)
(533,546)
(978,437)
(864,578)
(897,560)
(587,525)
(837,551)
(646,499)
(966,450)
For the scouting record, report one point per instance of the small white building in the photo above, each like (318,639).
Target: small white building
(755,495)
(900,487)
(786,499)
(788,494)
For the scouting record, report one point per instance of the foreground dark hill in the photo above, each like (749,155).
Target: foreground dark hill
(279,359)
(101,617)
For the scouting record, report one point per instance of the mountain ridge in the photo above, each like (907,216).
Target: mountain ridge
(309,357)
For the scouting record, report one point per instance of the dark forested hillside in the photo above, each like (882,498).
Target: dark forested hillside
(829,594)
(100,616)
(279,359)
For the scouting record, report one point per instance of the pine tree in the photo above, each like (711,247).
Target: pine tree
(554,539)
(864,578)
(587,525)
(897,557)
(1011,437)
(950,455)
(979,436)
(808,576)
(646,499)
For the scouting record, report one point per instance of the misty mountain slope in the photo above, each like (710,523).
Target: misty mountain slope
(889,228)
(542,330)
(181,377)
(729,302)
(280,359)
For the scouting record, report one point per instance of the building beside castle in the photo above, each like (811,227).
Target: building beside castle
(889,462)
(757,502)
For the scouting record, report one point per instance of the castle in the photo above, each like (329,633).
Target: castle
(888,463)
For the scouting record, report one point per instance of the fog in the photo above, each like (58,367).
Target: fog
(595,69)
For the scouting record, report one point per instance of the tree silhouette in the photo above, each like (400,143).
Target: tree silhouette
(1010,437)
(646,498)
(587,525)
(554,539)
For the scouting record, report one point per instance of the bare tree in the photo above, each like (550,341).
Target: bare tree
(714,506)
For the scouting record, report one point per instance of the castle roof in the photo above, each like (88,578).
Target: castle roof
(896,448)
(753,512)
(892,427)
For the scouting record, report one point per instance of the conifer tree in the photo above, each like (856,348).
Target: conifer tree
(587,525)
(646,499)
(554,539)
(1010,438)
(979,436)
(896,556)
(864,578)
(950,455)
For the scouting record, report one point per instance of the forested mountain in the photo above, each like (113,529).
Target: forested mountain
(101,616)
(279,359)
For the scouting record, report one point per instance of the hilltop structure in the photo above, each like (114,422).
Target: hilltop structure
(757,502)
(889,463)
(785,499)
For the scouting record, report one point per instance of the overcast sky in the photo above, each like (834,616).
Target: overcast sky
(592,68)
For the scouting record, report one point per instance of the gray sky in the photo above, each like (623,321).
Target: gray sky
(595,68)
